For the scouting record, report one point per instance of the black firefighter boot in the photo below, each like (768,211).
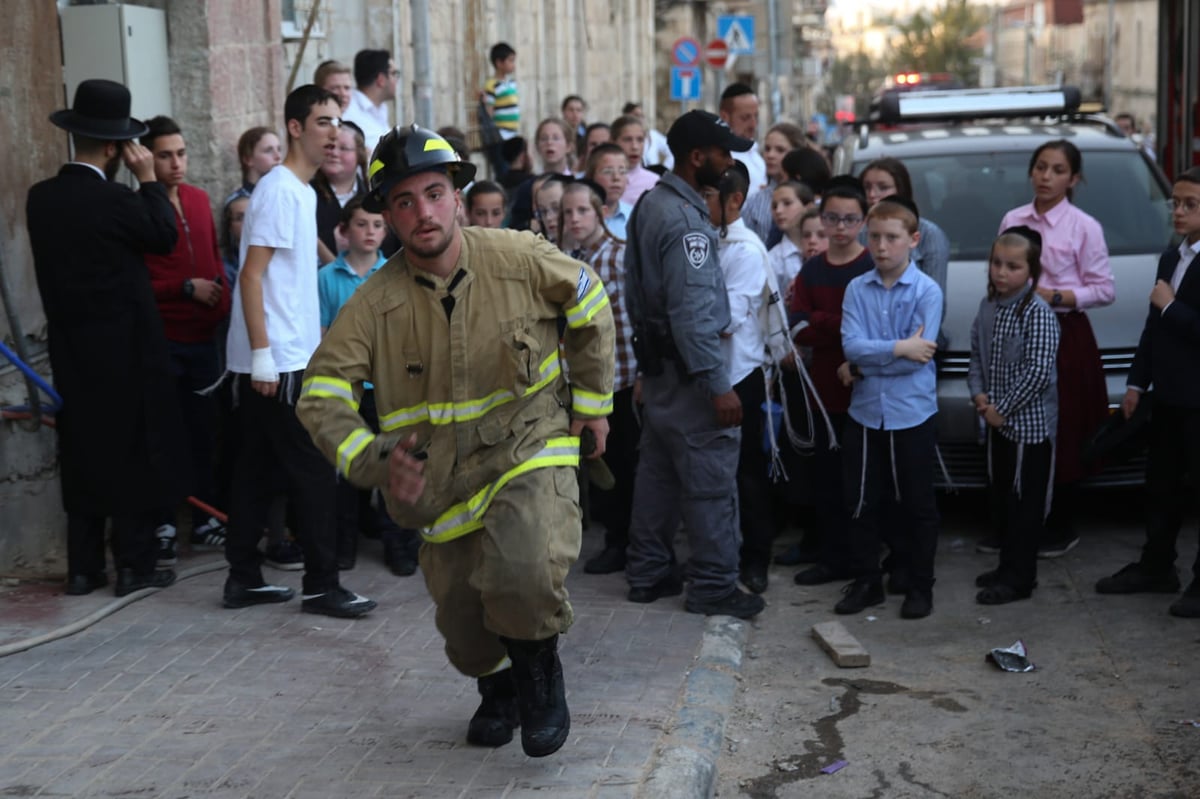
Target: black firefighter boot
(541,695)
(493,723)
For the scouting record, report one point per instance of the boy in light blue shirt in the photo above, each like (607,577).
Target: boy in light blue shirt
(339,278)
(890,321)
(336,281)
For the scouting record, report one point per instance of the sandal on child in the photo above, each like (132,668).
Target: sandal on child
(1000,594)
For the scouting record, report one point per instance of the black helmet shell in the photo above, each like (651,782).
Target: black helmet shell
(404,151)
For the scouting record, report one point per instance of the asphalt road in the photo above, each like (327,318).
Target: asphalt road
(1105,714)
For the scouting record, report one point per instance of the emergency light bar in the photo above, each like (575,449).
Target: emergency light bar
(928,106)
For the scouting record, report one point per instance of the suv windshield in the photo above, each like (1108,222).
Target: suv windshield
(968,194)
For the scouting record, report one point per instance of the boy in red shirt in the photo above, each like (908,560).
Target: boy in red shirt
(192,300)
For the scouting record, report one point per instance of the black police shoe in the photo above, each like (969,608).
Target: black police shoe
(671,585)
(736,603)
(541,695)
(497,715)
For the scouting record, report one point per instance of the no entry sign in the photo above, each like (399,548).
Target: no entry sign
(716,53)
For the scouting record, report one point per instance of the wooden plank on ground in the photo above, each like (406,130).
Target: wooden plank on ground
(843,647)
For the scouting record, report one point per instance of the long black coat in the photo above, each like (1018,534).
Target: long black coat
(120,426)
(1167,351)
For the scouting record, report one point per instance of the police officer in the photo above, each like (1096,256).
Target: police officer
(690,434)
(479,443)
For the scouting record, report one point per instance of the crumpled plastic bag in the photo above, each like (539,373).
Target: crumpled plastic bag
(1011,658)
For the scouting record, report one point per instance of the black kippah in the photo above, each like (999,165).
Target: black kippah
(1025,232)
(903,202)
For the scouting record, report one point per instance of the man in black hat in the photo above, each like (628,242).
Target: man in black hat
(691,433)
(107,347)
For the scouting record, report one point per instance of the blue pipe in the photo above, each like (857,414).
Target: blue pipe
(35,377)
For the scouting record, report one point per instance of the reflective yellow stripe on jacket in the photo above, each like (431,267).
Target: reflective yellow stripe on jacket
(319,386)
(582,313)
(467,517)
(440,413)
(351,447)
(587,403)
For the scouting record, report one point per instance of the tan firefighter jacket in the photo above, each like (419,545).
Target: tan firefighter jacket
(471,365)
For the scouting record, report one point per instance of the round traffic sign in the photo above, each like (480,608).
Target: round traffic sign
(716,53)
(685,52)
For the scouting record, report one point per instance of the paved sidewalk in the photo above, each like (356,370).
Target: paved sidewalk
(174,696)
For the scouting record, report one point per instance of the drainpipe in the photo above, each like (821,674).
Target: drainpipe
(422,73)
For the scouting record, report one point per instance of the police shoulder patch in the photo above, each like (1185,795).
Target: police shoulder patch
(695,246)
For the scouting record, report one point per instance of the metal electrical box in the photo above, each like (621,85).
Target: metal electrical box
(124,43)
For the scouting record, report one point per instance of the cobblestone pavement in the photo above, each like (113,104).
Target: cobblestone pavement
(174,696)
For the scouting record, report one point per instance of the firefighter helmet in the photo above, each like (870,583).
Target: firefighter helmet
(404,151)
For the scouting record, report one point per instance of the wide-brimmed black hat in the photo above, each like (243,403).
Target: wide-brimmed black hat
(100,111)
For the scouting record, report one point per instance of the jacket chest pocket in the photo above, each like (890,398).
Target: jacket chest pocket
(521,356)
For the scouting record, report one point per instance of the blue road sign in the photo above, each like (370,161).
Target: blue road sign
(686,52)
(685,83)
(738,32)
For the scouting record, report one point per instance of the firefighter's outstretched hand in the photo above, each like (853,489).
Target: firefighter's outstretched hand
(406,473)
(599,430)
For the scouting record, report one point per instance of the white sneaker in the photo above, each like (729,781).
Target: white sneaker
(209,534)
(166,546)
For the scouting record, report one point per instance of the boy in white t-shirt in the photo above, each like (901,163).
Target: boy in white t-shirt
(274,330)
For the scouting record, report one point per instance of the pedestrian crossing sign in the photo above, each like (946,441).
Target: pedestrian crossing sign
(738,32)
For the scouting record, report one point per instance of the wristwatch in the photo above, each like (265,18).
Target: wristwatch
(189,288)
(1056,299)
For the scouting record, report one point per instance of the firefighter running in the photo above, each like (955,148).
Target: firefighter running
(479,441)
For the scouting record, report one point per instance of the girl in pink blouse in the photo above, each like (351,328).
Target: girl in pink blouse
(1076,276)
(629,133)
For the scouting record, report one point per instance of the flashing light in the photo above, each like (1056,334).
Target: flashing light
(977,103)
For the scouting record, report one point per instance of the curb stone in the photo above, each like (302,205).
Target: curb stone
(685,763)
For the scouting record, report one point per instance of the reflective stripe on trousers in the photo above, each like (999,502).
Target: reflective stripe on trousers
(467,517)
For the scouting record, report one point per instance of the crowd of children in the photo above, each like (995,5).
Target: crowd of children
(861,275)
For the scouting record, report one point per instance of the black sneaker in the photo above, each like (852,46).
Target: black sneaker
(917,605)
(736,603)
(1133,579)
(670,585)
(284,555)
(337,602)
(608,561)
(166,546)
(241,596)
(128,582)
(819,575)
(1057,548)
(861,594)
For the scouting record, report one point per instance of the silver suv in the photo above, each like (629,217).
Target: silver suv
(966,173)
